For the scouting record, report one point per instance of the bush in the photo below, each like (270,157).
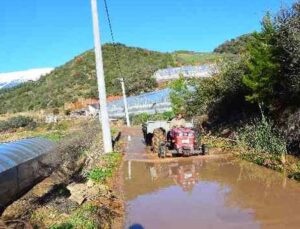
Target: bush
(262,137)
(17,122)
(140,119)
(144,117)
(287,41)
(179,95)
(222,97)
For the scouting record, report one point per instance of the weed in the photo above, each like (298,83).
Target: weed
(82,218)
(114,131)
(112,159)
(101,174)
(264,159)
(54,136)
(62,226)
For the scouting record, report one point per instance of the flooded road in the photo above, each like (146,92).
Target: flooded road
(207,193)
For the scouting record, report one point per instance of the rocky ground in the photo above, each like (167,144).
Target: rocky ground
(83,192)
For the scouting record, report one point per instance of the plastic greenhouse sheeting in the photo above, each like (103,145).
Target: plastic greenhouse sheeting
(151,102)
(15,153)
(146,98)
(187,70)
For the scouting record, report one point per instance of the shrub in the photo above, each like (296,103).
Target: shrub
(144,117)
(17,122)
(179,95)
(287,39)
(140,118)
(262,137)
(222,96)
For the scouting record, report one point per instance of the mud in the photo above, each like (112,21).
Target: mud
(205,192)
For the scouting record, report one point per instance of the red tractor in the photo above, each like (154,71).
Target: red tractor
(176,141)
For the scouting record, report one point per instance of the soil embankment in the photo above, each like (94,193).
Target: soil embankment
(80,193)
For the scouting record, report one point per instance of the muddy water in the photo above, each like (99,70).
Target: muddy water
(207,193)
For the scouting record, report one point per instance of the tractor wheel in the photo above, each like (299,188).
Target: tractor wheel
(148,139)
(205,149)
(162,151)
(157,140)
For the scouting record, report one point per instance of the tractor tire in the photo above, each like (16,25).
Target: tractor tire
(148,139)
(162,151)
(157,140)
(205,150)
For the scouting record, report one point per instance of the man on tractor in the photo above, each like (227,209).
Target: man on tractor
(176,137)
(178,121)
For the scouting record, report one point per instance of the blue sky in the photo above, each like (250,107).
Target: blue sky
(47,33)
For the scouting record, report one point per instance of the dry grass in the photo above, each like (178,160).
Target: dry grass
(51,131)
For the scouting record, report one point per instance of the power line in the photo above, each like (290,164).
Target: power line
(117,59)
(118,63)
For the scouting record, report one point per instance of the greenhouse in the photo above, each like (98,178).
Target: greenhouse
(151,103)
(22,164)
(15,153)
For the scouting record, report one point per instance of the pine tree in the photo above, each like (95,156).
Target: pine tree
(262,67)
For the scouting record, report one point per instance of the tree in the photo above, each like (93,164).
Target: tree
(179,95)
(287,41)
(261,63)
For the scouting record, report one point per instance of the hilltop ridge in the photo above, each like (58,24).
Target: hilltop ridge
(77,78)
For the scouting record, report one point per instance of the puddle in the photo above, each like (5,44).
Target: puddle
(208,193)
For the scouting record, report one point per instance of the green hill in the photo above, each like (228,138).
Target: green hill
(235,46)
(77,79)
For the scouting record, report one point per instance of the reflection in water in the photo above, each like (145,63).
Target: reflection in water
(202,193)
(184,175)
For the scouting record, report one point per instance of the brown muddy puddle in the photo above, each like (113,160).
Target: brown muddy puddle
(208,193)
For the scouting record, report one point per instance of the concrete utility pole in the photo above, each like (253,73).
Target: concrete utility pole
(125,102)
(103,116)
